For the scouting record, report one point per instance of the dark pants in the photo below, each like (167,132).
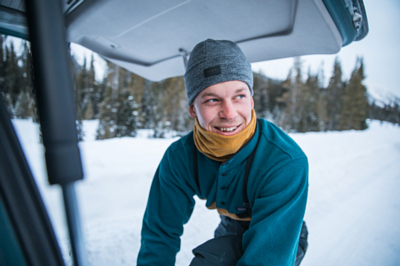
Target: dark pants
(226,248)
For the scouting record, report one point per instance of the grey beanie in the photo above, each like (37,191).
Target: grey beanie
(213,62)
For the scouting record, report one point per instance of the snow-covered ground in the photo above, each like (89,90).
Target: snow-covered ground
(353,211)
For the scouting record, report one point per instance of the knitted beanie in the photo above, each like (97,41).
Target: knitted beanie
(213,62)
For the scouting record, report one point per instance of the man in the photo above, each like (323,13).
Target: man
(253,173)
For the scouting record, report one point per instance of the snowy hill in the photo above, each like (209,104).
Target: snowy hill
(353,211)
(381,95)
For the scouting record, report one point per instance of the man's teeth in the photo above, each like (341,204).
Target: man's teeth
(227,129)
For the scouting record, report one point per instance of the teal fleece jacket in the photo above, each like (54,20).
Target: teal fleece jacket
(277,190)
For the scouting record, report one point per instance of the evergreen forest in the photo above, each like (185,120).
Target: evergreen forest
(124,102)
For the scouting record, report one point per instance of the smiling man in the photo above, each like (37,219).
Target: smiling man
(249,170)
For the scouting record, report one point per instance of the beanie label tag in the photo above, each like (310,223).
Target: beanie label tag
(212,71)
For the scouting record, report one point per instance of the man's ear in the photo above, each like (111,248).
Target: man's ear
(252,103)
(192,111)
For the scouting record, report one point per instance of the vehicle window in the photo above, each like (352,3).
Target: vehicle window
(18,96)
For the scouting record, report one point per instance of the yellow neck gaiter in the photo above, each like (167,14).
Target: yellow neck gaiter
(222,148)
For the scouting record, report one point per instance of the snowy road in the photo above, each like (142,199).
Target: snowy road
(364,226)
(353,210)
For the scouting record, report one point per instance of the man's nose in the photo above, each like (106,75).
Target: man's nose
(228,110)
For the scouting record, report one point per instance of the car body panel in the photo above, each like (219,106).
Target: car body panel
(150,38)
(154,38)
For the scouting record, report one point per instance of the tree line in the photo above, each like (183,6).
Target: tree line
(16,80)
(303,104)
(124,102)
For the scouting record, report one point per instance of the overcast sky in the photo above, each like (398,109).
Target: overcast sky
(380,49)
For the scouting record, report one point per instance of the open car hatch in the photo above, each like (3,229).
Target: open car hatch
(153,38)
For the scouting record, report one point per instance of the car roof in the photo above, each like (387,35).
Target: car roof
(153,38)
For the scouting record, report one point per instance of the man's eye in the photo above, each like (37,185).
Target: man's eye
(240,96)
(212,101)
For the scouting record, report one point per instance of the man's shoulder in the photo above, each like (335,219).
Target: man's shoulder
(276,139)
(183,145)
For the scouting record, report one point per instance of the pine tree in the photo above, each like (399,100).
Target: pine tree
(9,105)
(322,110)
(321,75)
(159,118)
(27,81)
(127,116)
(127,111)
(261,96)
(281,102)
(76,75)
(89,113)
(109,107)
(81,87)
(2,66)
(118,109)
(135,88)
(310,95)
(396,111)
(23,106)
(334,96)
(390,112)
(99,96)
(283,119)
(174,104)
(4,88)
(294,109)
(355,102)
(106,123)
(16,80)
(276,100)
(321,101)
(90,104)
(146,106)
(13,74)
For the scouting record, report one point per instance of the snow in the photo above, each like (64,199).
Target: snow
(381,96)
(353,211)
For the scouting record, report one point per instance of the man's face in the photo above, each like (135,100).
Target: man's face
(223,108)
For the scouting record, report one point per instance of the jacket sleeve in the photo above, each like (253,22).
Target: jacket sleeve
(278,213)
(169,206)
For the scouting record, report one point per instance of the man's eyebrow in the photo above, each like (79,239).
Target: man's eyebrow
(208,94)
(240,90)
